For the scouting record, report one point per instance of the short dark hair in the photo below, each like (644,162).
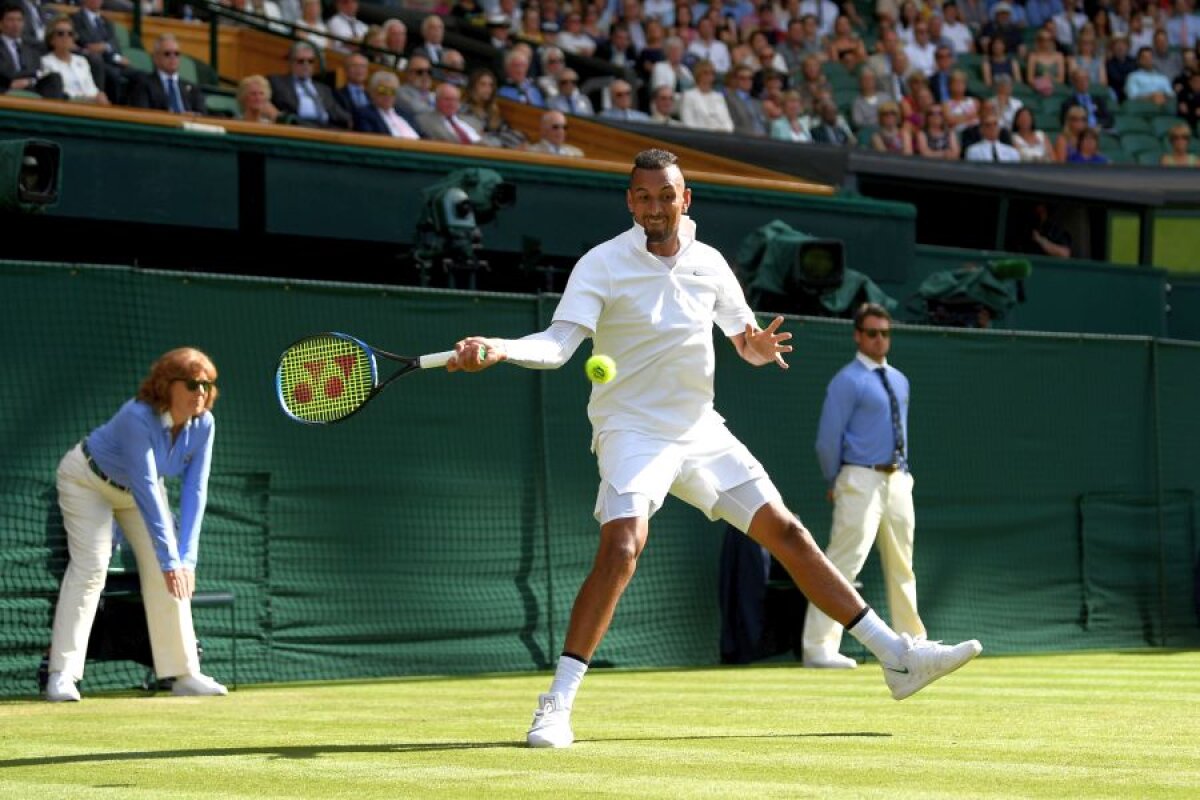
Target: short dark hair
(870,310)
(654,159)
(10,7)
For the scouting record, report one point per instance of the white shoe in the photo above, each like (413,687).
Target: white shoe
(551,723)
(197,685)
(60,688)
(829,661)
(924,662)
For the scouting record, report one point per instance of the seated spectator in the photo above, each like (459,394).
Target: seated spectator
(791,125)
(1119,66)
(395,43)
(1088,150)
(415,95)
(1166,59)
(163,89)
(254,101)
(1088,58)
(916,104)
(761,54)
(311,27)
(1183,27)
(500,33)
(372,43)
(553,62)
(662,107)
(381,116)
(353,93)
(1003,27)
(453,68)
(703,107)
(1067,142)
(865,111)
(962,110)
(1146,83)
(621,96)
(684,27)
(573,39)
(433,33)
(954,31)
(999,62)
(654,51)
(803,39)
(811,83)
(345,24)
(1141,32)
(1064,27)
(97,39)
(939,81)
(481,111)
(1045,68)
(1094,106)
(1046,236)
(517,85)
(1178,139)
(830,128)
(1188,101)
(1191,64)
(309,102)
(569,99)
(989,147)
(845,46)
(671,71)
(1006,105)
(745,109)
(553,130)
(880,61)
(74,70)
(1031,143)
(891,136)
(936,139)
(20,62)
(921,50)
(618,50)
(443,123)
(706,47)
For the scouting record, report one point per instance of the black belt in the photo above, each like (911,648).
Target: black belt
(887,469)
(96,467)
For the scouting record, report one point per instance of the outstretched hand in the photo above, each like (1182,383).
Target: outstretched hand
(476,353)
(766,346)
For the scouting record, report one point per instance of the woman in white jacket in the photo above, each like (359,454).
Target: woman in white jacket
(704,107)
(76,72)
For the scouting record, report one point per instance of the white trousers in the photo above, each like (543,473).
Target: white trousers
(870,508)
(89,505)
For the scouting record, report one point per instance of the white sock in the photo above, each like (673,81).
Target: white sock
(877,637)
(567,677)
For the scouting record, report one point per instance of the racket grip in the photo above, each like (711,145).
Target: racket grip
(435,360)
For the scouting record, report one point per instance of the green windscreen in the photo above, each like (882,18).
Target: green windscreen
(1055,489)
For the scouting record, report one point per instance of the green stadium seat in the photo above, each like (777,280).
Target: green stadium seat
(1128,123)
(1051,104)
(1136,143)
(1118,156)
(970,62)
(187,69)
(1047,121)
(1149,158)
(1161,124)
(221,105)
(1194,146)
(1101,91)
(865,134)
(122,33)
(1110,143)
(1143,108)
(22,93)
(139,59)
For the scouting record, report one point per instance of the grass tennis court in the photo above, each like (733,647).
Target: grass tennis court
(1065,726)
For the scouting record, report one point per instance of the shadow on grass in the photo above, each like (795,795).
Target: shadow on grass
(300,753)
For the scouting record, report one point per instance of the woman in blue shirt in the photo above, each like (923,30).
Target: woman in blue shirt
(117,472)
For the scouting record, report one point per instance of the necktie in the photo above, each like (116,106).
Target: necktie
(16,53)
(174,98)
(458,131)
(311,91)
(995,157)
(897,423)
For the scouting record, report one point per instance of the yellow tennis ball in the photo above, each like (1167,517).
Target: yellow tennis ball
(600,369)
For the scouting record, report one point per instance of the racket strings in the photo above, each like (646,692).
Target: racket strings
(324,378)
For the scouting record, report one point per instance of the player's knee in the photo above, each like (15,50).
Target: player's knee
(618,556)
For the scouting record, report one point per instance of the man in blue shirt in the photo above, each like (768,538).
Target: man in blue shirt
(862,446)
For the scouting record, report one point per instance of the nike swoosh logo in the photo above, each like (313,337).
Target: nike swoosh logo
(902,670)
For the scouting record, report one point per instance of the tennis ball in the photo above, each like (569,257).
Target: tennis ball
(600,369)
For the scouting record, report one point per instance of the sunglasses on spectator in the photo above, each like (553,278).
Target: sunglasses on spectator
(562,127)
(170,53)
(193,385)
(65,33)
(305,61)
(875,333)
(384,89)
(1179,137)
(620,94)
(419,71)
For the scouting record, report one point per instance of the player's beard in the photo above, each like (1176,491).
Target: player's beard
(663,234)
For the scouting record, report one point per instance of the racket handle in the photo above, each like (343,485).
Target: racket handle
(435,360)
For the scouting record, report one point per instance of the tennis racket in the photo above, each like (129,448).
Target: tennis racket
(329,377)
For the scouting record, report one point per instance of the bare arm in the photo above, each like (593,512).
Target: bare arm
(759,347)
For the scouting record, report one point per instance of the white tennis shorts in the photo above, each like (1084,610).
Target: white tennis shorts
(717,474)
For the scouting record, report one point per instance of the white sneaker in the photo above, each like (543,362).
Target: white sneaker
(551,723)
(197,685)
(924,662)
(60,688)
(829,661)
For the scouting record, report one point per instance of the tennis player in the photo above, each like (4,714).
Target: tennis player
(649,298)
(117,471)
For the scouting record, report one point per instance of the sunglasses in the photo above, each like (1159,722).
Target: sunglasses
(418,72)
(385,89)
(192,384)
(65,33)
(305,61)
(558,127)
(170,53)
(875,333)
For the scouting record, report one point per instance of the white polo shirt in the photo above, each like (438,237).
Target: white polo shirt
(656,323)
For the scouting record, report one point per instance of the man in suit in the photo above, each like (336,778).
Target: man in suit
(831,128)
(381,117)
(311,103)
(443,124)
(989,147)
(554,137)
(433,30)
(745,109)
(97,38)
(621,93)
(1096,107)
(415,96)
(354,94)
(164,89)
(19,62)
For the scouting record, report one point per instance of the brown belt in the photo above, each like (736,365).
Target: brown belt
(96,468)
